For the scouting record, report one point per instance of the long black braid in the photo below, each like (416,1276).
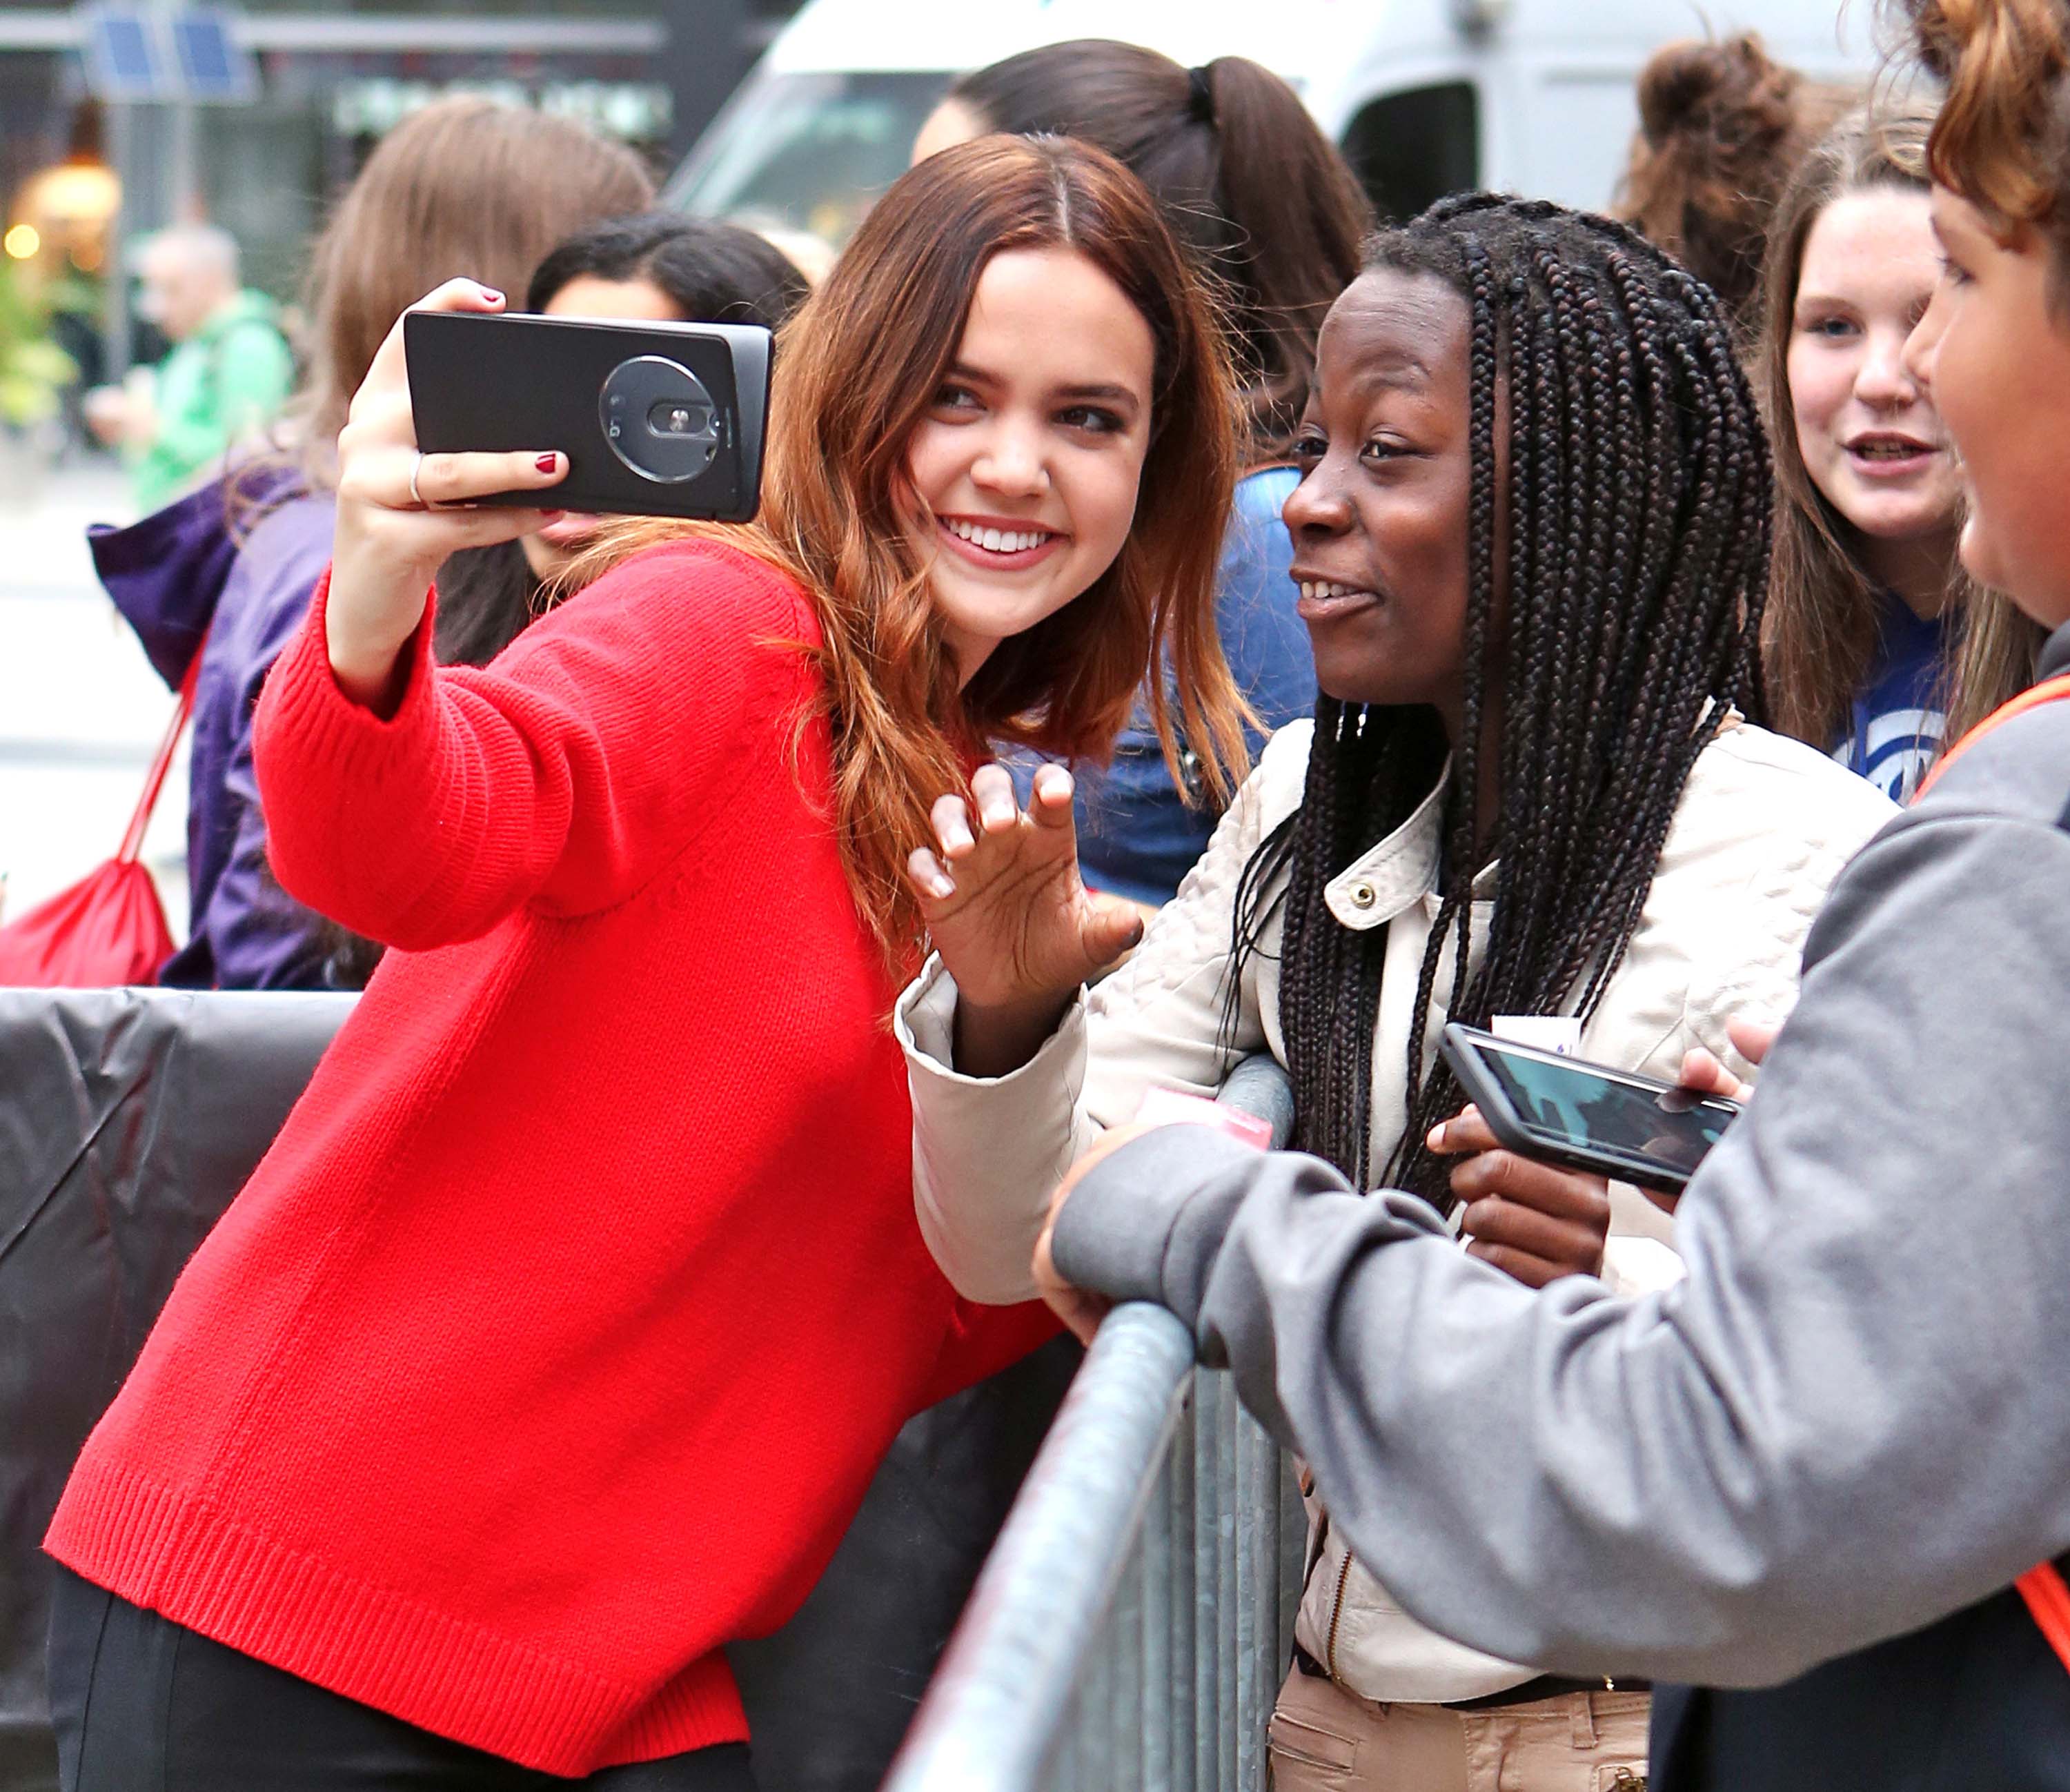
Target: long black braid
(1638,560)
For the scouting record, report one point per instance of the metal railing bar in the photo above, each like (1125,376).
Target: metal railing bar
(1065,1575)
(1005,1684)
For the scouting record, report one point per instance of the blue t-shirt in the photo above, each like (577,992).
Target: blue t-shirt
(1895,729)
(1136,836)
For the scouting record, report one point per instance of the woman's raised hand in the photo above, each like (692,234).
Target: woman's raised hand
(1013,920)
(400,513)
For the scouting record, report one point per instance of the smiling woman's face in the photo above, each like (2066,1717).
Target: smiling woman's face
(1026,466)
(1871,438)
(1379,519)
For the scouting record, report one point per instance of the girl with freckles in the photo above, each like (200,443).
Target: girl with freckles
(1530,546)
(552,1346)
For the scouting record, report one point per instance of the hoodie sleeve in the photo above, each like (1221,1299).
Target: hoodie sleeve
(1849,1419)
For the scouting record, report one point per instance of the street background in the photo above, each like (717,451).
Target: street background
(80,709)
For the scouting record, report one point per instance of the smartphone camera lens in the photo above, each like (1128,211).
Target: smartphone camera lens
(669,418)
(684,429)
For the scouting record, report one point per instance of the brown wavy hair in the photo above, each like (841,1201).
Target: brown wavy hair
(1721,126)
(856,368)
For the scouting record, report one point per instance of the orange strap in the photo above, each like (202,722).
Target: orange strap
(2047,1598)
(2049,690)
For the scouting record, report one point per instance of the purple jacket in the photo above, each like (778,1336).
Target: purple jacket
(176,576)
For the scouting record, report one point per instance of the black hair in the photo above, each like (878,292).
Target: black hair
(1638,516)
(712,273)
(1277,223)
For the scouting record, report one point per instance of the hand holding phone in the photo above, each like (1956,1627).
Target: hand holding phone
(401,512)
(1534,1220)
(1586,1116)
(656,420)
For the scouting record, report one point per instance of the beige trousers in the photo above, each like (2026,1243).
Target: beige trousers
(1324,1739)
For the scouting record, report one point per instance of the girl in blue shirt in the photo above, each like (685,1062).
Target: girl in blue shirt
(1873,630)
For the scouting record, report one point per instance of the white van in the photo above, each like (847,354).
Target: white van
(1425,96)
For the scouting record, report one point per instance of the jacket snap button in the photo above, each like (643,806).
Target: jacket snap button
(1364,895)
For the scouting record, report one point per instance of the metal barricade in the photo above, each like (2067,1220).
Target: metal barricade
(1131,1624)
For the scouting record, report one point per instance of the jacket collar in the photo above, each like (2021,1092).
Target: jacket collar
(2055,652)
(1400,870)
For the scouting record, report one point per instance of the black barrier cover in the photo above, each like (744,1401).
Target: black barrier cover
(127,1120)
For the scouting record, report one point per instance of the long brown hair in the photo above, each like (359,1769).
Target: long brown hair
(1722,125)
(1247,179)
(2000,654)
(1819,634)
(856,368)
(466,187)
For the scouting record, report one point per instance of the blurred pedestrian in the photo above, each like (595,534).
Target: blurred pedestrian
(1722,126)
(1868,603)
(1221,148)
(554,1344)
(228,374)
(465,183)
(1531,543)
(1810,1475)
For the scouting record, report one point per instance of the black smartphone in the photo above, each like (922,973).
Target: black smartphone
(1586,1116)
(656,420)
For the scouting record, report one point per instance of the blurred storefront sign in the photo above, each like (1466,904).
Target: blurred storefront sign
(640,111)
(103,136)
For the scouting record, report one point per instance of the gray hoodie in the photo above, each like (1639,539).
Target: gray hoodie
(1852,1417)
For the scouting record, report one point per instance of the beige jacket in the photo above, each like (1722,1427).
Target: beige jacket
(1763,828)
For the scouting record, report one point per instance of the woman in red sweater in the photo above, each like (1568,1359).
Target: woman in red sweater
(553,1345)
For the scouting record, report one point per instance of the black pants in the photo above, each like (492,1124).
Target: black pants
(142,1704)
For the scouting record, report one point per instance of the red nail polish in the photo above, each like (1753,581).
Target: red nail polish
(491,295)
(545,463)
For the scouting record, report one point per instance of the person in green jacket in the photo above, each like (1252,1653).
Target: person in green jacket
(229,372)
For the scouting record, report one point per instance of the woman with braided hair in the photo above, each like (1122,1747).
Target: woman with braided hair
(1531,545)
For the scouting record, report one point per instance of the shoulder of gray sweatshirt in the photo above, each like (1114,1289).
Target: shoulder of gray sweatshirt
(1851,1418)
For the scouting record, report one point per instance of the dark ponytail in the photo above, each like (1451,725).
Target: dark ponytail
(1243,175)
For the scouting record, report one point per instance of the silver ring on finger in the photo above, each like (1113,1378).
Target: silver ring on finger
(417,498)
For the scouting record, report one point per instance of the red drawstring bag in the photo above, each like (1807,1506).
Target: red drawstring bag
(109,927)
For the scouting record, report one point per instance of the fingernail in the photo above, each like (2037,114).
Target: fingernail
(547,462)
(491,295)
(943,888)
(1435,1138)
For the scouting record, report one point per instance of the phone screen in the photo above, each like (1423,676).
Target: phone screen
(1573,1102)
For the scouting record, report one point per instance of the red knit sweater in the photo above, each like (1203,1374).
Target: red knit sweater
(554,1342)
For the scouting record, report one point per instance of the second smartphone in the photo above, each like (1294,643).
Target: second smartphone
(1586,1116)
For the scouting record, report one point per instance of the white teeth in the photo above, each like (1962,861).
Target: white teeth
(1315,588)
(996,541)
